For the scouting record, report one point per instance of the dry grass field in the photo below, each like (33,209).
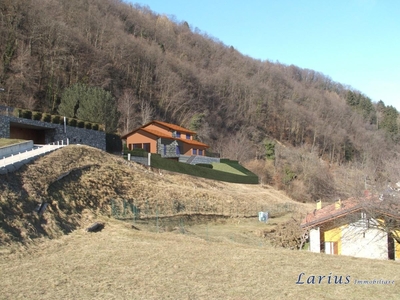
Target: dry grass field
(123,263)
(224,256)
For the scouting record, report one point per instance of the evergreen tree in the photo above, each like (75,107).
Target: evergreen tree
(90,104)
(389,122)
(98,106)
(70,100)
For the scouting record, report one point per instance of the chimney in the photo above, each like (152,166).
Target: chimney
(338,204)
(319,204)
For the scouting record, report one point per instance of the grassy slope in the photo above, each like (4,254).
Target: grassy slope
(122,263)
(92,178)
(225,260)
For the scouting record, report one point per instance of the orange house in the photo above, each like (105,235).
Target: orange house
(168,140)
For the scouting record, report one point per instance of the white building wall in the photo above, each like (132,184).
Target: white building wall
(315,242)
(361,241)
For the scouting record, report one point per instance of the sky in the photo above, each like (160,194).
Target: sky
(354,42)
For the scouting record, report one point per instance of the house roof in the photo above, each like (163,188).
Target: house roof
(163,135)
(350,206)
(160,134)
(165,124)
(171,126)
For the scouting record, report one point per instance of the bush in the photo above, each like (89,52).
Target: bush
(37,116)
(18,113)
(55,119)
(73,122)
(138,152)
(27,114)
(205,165)
(95,127)
(88,125)
(113,143)
(81,124)
(46,117)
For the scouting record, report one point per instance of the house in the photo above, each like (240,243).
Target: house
(361,227)
(168,140)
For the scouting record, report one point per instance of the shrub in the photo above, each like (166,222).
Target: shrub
(81,124)
(46,118)
(88,125)
(27,114)
(113,143)
(55,119)
(95,127)
(37,116)
(205,165)
(73,122)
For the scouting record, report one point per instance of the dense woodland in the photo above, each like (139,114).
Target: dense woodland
(296,128)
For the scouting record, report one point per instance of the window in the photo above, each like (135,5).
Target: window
(165,149)
(178,134)
(200,152)
(146,147)
(187,136)
(137,146)
(331,248)
(194,151)
(178,151)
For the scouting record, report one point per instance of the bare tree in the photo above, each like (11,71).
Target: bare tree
(146,112)
(126,107)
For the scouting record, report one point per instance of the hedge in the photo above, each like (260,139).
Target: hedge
(26,114)
(72,122)
(37,116)
(55,119)
(46,118)
(205,165)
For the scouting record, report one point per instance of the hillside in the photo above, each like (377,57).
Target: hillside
(80,183)
(152,67)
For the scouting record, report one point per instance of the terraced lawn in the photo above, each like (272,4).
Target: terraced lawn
(226,168)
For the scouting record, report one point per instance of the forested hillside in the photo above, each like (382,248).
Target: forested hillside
(296,128)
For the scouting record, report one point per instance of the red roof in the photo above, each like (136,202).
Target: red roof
(163,135)
(171,126)
(349,206)
(165,124)
(160,134)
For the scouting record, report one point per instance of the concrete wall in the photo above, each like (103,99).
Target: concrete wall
(360,241)
(199,159)
(15,149)
(315,240)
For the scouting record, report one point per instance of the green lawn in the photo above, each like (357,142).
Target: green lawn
(7,142)
(226,168)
